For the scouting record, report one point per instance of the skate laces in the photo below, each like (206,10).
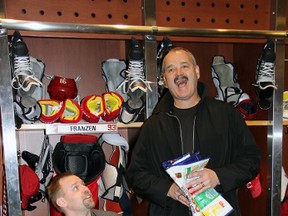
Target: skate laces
(266,72)
(160,52)
(23,75)
(135,77)
(22,63)
(135,73)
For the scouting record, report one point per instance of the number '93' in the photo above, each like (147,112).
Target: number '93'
(112,127)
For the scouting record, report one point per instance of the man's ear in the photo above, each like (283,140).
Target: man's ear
(197,69)
(61,202)
(164,82)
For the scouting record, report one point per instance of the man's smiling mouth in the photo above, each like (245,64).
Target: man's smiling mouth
(88,197)
(180,80)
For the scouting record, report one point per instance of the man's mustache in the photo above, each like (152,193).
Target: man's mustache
(180,78)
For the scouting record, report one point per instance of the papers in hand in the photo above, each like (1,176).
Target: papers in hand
(207,203)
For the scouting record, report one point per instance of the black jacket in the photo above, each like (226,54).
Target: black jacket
(220,133)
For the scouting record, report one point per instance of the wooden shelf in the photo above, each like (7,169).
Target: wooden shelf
(41,126)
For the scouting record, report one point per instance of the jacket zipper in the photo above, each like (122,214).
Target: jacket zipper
(193,141)
(181,136)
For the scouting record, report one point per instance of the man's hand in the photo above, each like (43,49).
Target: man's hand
(204,179)
(177,194)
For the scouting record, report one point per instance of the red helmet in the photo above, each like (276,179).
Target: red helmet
(61,88)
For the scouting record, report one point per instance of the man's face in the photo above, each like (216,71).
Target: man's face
(75,196)
(181,76)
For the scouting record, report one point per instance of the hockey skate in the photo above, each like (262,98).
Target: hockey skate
(265,76)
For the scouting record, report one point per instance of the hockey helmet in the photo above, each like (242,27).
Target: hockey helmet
(61,88)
